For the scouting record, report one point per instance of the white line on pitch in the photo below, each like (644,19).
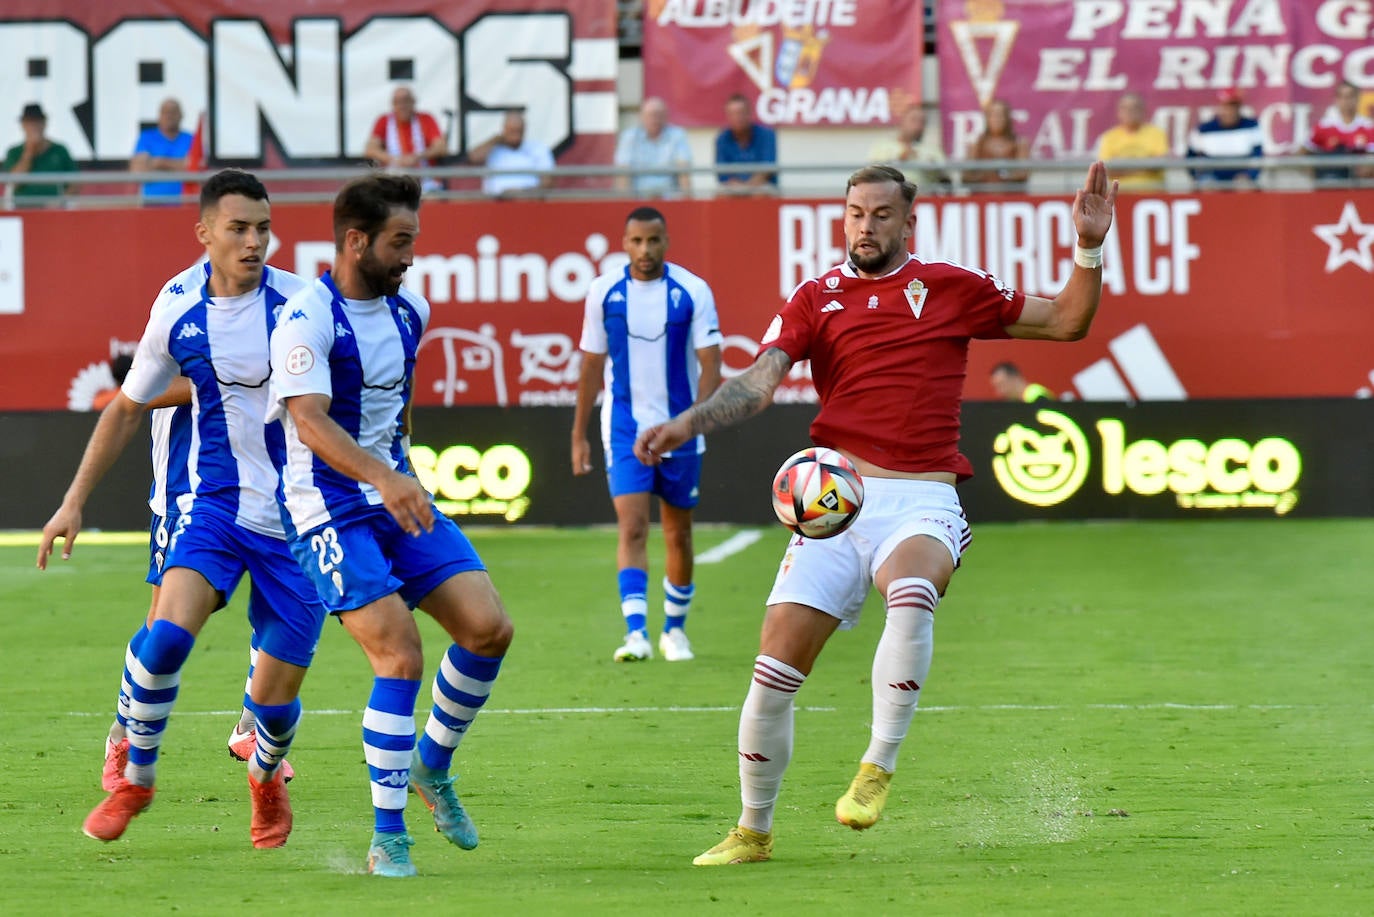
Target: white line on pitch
(729,547)
(972,708)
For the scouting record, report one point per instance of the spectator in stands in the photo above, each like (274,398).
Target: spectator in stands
(1342,131)
(654,143)
(1133,137)
(37,154)
(743,141)
(999,140)
(913,151)
(119,370)
(1011,385)
(1228,134)
(162,148)
(523,165)
(406,138)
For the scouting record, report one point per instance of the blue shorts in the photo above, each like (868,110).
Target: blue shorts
(159,536)
(283,609)
(365,556)
(676,479)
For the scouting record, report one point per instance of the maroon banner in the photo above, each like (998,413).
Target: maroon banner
(303,81)
(1063,66)
(800,62)
(1216,295)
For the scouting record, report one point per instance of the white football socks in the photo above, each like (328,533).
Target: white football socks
(900,666)
(765,739)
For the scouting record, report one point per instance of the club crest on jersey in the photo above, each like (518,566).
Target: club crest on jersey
(873,302)
(915,294)
(832,282)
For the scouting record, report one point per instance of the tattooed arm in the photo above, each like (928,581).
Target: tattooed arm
(740,397)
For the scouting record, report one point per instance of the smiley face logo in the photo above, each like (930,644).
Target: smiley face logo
(1042,469)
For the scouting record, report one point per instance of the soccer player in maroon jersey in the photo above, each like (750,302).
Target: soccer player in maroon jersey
(887,335)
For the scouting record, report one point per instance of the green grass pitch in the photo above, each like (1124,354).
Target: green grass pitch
(1171,718)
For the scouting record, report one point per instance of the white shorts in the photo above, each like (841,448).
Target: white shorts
(833,575)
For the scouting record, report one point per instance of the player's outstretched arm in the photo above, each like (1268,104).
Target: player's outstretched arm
(402,495)
(736,399)
(117,425)
(1068,316)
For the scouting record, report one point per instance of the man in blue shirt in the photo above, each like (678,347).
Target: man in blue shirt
(1228,135)
(743,141)
(162,149)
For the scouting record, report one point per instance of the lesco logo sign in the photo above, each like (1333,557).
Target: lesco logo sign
(470,482)
(1048,465)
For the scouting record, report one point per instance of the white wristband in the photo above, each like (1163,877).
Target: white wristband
(1087,257)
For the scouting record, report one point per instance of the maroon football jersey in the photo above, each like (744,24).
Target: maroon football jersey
(888,357)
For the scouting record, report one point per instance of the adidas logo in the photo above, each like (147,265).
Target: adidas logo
(189,330)
(832,306)
(1136,356)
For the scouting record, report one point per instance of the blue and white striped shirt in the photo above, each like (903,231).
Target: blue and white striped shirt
(650,331)
(361,354)
(221,345)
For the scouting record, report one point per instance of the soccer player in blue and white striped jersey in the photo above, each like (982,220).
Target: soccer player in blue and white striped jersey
(362,527)
(651,338)
(211,324)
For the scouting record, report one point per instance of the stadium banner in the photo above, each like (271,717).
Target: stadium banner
(1063,66)
(1213,295)
(304,82)
(811,64)
(500,466)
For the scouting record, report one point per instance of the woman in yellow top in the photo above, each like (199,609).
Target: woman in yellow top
(1134,138)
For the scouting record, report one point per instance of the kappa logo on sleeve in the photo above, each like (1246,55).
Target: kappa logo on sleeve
(300,360)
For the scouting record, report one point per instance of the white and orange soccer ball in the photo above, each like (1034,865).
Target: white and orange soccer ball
(817,493)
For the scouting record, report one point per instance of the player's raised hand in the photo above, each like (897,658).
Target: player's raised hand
(408,503)
(664,437)
(1093,206)
(64,524)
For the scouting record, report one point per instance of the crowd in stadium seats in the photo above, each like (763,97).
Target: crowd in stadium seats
(656,156)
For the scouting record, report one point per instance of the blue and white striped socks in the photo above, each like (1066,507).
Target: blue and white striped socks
(276,726)
(388,741)
(634,603)
(677,601)
(461,687)
(152,676)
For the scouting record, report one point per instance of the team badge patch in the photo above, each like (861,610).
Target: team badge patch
(915,293)
(300,360)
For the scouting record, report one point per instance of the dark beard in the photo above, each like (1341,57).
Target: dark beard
(881,262)
(375,275)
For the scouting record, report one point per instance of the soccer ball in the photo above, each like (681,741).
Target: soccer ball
(817,493)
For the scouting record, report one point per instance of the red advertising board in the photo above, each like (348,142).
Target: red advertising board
(1063,66)
(303,82)
(813,63)
(1207,295)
